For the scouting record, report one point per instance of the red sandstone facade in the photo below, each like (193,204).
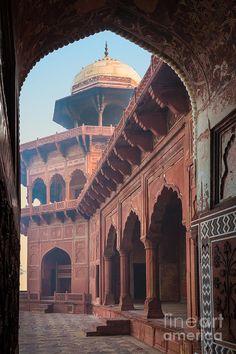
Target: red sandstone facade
(125,239)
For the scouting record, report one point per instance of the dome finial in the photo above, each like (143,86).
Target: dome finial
(106,50)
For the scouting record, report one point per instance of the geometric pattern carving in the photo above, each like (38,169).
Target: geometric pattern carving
(219,226)
(212,230)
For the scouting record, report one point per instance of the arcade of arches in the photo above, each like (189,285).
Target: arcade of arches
(57,188)
(166,181)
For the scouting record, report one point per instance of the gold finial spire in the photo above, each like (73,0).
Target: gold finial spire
(106,50)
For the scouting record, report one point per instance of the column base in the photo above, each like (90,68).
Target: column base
(152,308)
(109,300)
(126,303)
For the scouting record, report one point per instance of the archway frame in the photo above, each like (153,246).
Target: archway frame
(45,254)
(129,226)
(165,188)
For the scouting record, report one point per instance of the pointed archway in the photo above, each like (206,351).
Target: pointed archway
(55,272)
(166,240)
(133,264)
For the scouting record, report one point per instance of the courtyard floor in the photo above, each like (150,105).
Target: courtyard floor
(58,333)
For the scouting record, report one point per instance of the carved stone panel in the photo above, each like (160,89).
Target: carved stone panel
(44,234)
(80,251)
(56,233)
(228,170)
(224,287)
(68,231)
(224,164)
(80,229)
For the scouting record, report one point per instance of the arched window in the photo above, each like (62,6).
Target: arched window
(57,189)
(39,191)
(77,183)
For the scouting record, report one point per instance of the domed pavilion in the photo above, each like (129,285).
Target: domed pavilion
(100,92)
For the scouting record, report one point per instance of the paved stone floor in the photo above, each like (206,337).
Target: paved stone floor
(64,334)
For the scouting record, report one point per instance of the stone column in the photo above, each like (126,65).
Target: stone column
(126,301)
(67,189)
(29,196)
(152,306)
(100,114)
(109,296)
(48,192)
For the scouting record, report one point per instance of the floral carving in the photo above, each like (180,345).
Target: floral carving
(224,282)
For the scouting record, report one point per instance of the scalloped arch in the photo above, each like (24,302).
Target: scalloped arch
(165,195)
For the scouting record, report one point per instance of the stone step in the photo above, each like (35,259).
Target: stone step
(111,328)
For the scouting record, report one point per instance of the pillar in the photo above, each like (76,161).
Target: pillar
(29,196)
(126,301)
(67,188)
(192,272)
(109,296)
(48,192)
(152,306)
(100,113)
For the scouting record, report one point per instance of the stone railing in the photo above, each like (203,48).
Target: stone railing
(27,296)
(57,297)
(82,130)
(77,297)
(48,208)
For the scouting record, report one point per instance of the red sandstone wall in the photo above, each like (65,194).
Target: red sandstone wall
(69,236)
(170,164)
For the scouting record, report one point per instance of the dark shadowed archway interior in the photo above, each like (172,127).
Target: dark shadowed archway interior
(39,191)
(113,254)
(138,270)
(137,259)
(77,183)
(56,272)
(57,189)
(168,234)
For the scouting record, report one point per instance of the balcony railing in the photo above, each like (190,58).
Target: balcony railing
(82,130)
(52,207)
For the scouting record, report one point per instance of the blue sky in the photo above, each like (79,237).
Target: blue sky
(52,77)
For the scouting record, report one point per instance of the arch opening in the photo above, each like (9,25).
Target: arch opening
(55,272)
(39,191)
(137,258)
(57,189)
(77,183)
(168,233)
(112,257)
